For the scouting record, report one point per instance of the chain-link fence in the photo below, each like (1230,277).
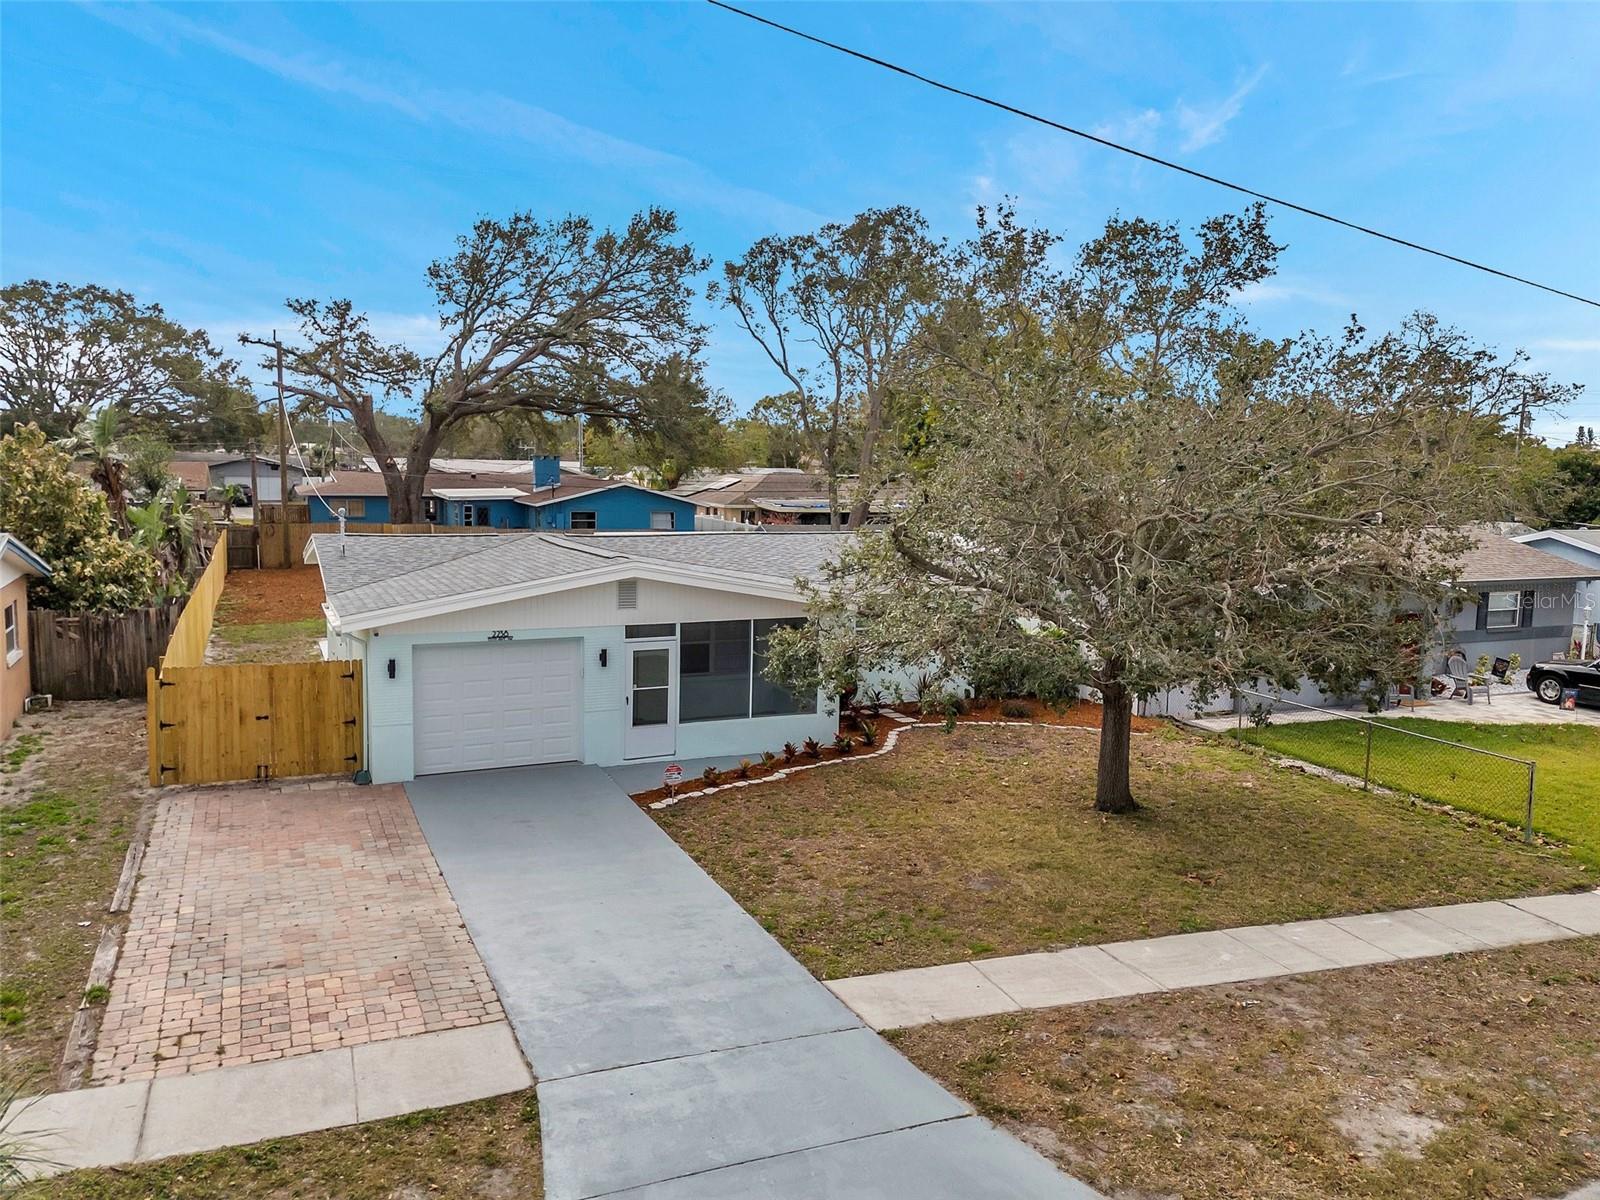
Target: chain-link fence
(1382,754)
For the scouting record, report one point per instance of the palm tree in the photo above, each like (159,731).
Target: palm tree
(95,441)
(172,529)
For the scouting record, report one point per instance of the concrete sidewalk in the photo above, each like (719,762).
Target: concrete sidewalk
(231,1106)
(680,1051)
(898,999)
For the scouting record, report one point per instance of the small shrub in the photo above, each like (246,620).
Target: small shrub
(812,748)
(843,744)
(98,994)
(1016,710)
(869,733)
(768,759)
(742,771)
(790,752)
(711,776)
(1259,716)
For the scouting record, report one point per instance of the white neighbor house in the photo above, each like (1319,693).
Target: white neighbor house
(509,649)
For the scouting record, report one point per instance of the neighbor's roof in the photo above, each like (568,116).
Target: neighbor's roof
(478,466)
(478,493)
(1583,539)
(370,483)
(19,553)
(380,579)
(193,475)
(1496,559)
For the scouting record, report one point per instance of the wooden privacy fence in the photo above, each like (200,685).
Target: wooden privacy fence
(300,531)
(254,721)
(187,646)
(97,656)
(211,724)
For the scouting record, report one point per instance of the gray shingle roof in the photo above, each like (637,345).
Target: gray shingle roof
(786,556)
(1497,559)
(376,572)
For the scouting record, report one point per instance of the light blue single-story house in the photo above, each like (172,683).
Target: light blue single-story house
(1580,546)
(519,648)
(544,497)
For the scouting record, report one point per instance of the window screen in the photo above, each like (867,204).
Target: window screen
(713,670)
(1505,610)
(768,699)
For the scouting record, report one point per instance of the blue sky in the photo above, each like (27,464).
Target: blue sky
(221,158)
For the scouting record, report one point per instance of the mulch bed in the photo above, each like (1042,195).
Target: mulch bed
(269,597)
(1080,714)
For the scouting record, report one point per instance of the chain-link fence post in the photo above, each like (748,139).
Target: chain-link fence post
(1366,772)
(1527,823)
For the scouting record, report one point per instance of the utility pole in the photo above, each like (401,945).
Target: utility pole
(255,502)
(283,458)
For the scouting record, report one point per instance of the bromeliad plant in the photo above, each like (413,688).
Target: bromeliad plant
(812,748)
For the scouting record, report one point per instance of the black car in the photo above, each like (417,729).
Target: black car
(1547,680)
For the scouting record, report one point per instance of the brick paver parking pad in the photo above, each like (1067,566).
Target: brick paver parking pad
(271,923)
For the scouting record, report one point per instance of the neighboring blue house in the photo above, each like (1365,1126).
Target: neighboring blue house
(615,507)
(545,498)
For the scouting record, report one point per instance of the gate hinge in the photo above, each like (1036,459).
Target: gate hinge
(166,724)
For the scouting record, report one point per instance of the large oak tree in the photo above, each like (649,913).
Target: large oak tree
(68,352)
(1118,472)
(552,317)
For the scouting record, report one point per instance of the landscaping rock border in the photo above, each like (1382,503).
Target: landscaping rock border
(889,741)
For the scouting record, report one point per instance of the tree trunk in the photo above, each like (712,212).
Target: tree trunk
(1111,791)
(869,442)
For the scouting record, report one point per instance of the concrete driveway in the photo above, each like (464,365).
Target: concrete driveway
(681,1052)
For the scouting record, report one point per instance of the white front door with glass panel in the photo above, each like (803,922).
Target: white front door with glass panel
(652,704)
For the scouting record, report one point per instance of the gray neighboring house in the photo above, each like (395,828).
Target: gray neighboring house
(223,468)
(1527,600)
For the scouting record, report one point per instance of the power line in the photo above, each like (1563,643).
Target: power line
(1160,162)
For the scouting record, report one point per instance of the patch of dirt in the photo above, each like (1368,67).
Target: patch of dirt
(271,597)
(1377,1124)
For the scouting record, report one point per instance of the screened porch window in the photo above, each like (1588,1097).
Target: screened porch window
(720,666)
(713,670)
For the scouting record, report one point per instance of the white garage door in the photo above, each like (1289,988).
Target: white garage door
(496,704)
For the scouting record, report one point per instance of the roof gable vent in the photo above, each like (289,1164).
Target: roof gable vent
(627,593)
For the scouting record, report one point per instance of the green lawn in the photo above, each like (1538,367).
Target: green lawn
(1567,780)
(269,641)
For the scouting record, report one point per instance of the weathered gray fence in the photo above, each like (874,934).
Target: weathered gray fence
(98,656)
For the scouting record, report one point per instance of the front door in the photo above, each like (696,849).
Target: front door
(652,704)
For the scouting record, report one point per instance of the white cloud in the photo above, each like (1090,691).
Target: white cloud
(1569,345)
(1133,129)
(484,113)
(1204,126)
(1282,291)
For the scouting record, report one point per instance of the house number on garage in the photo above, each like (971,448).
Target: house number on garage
(500,635)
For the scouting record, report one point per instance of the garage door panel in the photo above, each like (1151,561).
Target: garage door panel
(499,705)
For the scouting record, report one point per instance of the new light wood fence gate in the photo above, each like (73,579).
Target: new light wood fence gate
(254,721)
(211,724)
